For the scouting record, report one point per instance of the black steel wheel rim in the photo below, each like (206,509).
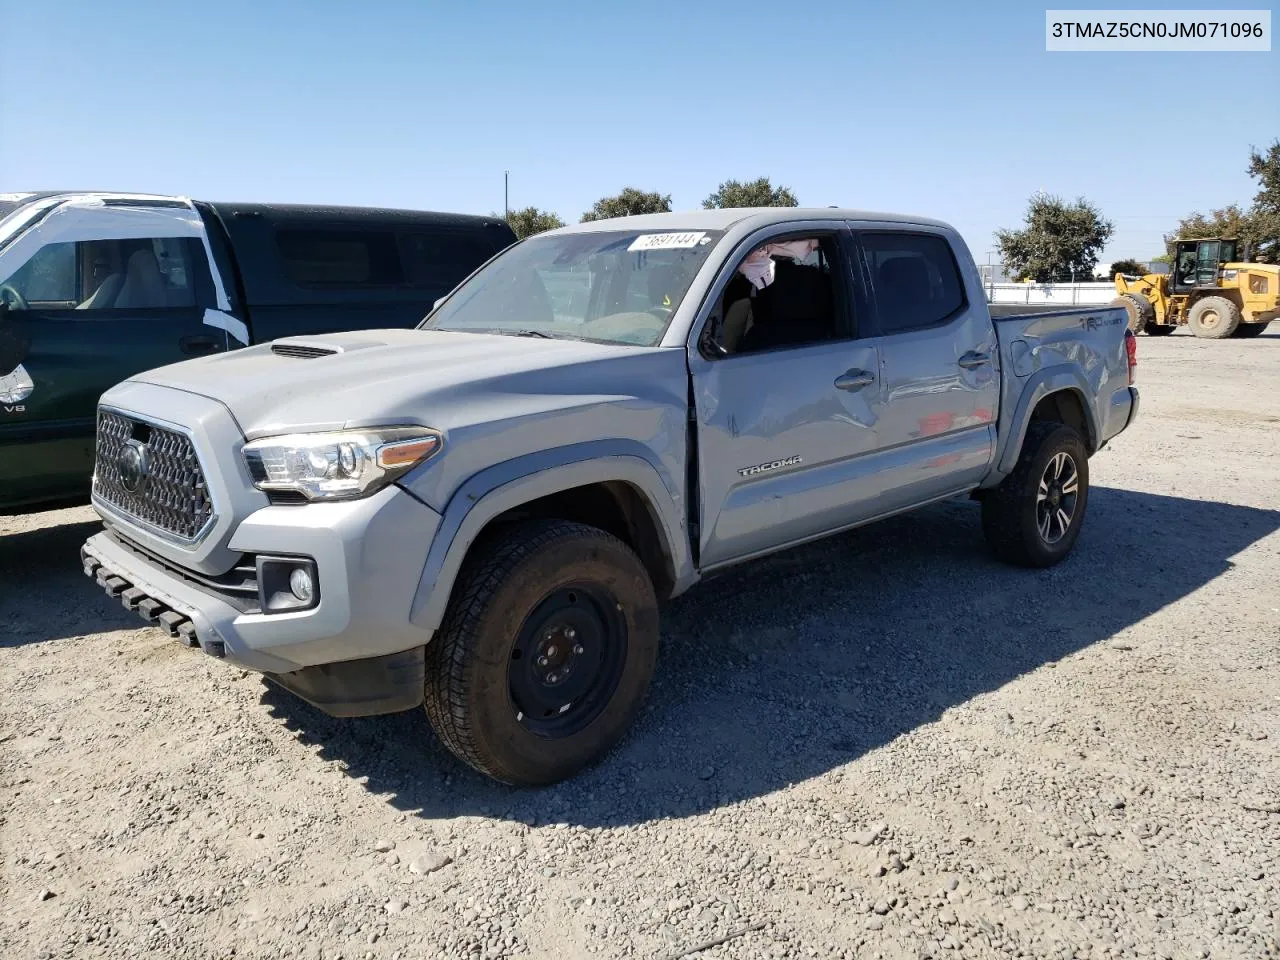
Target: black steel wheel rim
(567,660)
(1056,497)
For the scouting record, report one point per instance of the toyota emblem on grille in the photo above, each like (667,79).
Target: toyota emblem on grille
(133,466)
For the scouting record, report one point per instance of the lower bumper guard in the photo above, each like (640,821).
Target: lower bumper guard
(177,622)
(349,688)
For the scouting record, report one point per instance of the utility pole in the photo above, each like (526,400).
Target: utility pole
(506,194)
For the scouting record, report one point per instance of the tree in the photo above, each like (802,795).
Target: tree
(756,193)
(1230,221)
(1130,268)
(629,203)
(1265,168)
(1258,227)
(531,220)
(1059,243)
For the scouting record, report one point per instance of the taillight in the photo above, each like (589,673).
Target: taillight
(1131,350)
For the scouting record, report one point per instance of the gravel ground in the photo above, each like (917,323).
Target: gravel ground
(883,745)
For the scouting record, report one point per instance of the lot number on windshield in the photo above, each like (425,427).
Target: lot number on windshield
(667,241)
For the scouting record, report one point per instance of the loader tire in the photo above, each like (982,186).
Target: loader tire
(1142,316)
(1213,318)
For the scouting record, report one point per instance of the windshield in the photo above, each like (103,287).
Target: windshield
(618,287)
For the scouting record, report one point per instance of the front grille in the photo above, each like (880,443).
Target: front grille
(171,495)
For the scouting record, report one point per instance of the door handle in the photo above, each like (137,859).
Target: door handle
(854,380)
(198,345)
(974,359)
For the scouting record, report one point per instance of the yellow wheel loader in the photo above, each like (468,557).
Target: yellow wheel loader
(1207,289)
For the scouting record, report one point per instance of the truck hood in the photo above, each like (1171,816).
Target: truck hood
(389,377)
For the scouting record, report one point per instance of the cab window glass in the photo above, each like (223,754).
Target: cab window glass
(916,279)
(49,277)
(135,274)
(784,293)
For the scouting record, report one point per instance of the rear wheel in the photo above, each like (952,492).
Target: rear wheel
(1213,318)
(1250,330)
(1034,516)
(545,654)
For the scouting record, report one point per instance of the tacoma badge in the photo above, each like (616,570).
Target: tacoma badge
(766,467)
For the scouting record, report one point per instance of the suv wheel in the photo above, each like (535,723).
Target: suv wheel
(545,654)
(1034,516)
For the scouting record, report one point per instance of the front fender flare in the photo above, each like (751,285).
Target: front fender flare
(507,485)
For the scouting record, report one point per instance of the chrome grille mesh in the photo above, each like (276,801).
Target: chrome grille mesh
(174,497)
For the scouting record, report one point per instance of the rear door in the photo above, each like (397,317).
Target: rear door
(939,366)
(786,394)
(95,311)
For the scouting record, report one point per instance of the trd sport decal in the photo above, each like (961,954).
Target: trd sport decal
(766,467)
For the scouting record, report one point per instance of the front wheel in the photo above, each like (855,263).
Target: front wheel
(1034,516)
(1213,318)
(545,654)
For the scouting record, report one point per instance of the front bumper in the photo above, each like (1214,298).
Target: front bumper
(369,556)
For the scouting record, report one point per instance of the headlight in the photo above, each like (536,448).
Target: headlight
(338,466)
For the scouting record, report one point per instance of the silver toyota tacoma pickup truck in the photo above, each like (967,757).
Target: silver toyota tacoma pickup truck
(483,515)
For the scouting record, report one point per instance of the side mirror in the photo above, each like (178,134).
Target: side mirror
(14,341)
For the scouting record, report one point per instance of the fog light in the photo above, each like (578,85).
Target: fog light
(301,585)
(287,584)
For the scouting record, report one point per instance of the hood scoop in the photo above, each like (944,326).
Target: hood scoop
(308,349)
(300,351)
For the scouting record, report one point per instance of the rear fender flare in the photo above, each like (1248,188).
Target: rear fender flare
(1040,385)
(507,485)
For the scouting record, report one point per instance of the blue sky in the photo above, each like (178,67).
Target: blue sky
(946,109)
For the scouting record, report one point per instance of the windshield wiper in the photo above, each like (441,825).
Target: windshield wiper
(534,333)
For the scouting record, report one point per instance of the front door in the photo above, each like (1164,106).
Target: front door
(1208,255)
(786,397)
(94,312)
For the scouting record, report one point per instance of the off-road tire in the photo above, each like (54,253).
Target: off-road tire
(1141,314)
(1247,331)
(1009,511)
(1213,318)
(468,698)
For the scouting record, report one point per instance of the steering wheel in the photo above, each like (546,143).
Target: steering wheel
(12,297)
